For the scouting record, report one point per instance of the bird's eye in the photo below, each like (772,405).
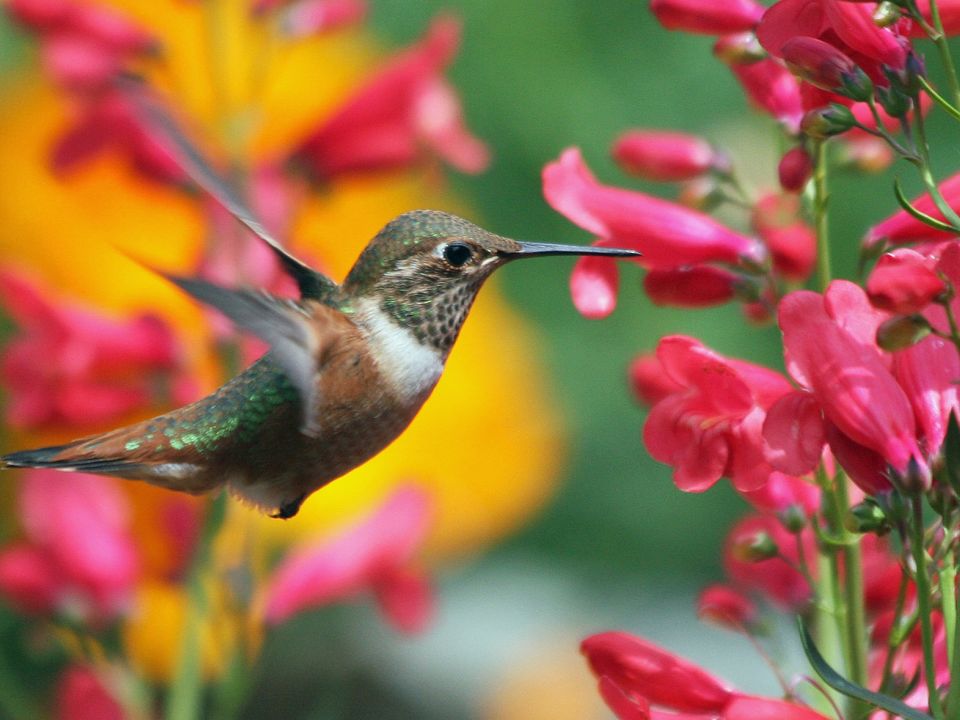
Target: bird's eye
(457,254)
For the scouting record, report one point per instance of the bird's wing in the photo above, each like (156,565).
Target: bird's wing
(164,130)
(298,337)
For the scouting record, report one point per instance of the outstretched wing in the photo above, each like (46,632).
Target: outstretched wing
(171,137)
(299,338)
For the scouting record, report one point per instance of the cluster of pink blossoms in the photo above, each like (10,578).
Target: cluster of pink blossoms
(872,372)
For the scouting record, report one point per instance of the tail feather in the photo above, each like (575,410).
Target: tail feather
(57,457)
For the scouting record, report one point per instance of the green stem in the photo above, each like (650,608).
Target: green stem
(820,198)
(892,644)
(947,576)
(940,39)
(853,591)
(953,694)
(183,701)
(923,601)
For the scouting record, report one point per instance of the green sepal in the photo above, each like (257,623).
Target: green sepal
(851,689)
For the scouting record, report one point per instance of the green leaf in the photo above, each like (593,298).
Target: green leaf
(839,683)
(918,214)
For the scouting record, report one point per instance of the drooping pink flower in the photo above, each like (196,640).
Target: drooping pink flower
(81,695)
(791,241)
(637,677)
(373,555)
(664,156)
(593,287)
(901,227)
(692,286)
(773,89)
(847,26)
(667,234)
(711,427)
(726,607)
(776,578)
(706,16)
(406,106)
(904,282)
(71,366)
(79,555)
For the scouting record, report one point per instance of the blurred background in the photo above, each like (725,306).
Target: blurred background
(610,542)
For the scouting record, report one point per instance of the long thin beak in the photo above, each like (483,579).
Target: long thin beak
(531,249)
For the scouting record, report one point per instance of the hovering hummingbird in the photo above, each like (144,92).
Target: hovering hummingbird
(349,364)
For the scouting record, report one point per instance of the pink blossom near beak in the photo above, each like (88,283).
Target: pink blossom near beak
(375,555)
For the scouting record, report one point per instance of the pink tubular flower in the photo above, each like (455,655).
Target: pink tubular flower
(904,282)
(773,89)
(830,351)
(375,554)
(81,695)
(695,286)
(71,366)
(824,66)
(649,383)
(848,26)
(710,427)
(901,227)
(664,156)
(792,242)
(79,556)
(774,577)
(724,606)
(667,234)
(635,675)
(794,169)
(404,107)
(706,16)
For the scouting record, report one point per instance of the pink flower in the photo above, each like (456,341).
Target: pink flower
(847,26)
(404,107)
(794,169)
(830,351)
(635,674)
(79,556)
(727,607)
(706,16)
(824,66)
(70,366)
(904,282)
(711,426)
(375,554)
(774,577)
(901,227)
(693,286)
(773,89)
(81,695)
(649,383)
(593,286)
(784,492)
(791,241)
(664,156)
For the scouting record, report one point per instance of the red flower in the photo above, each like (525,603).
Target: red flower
(773,89)
(794,169)
(694,286)
(634,675)
(783,492)
(404,107)
(824,66)
(711,426)
(649,383)
(724,606)
(774,577)
(706,16)
(81,695)
(904,282)
(71,366)
(375,554)
(79,556)
(792,242)
(664,156)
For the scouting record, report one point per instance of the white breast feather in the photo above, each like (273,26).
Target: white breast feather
(410,367)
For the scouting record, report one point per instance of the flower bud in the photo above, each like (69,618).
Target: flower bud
(867,517)
(795,169)
(739,49)
(827,122)
(724,606)
(755,548)
(793,518)
(665,156)
(902,331)
(886,14)
(893,101)
(824,66)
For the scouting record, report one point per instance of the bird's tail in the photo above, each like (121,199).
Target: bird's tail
(66,457)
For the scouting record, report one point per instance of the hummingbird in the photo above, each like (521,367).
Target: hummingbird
(348,367)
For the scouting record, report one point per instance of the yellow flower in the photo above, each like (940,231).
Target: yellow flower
(486,442)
